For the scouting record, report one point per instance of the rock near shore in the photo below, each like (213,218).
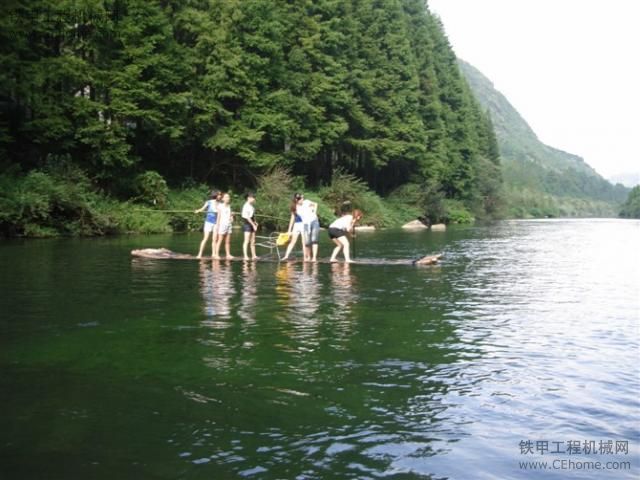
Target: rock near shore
(414,225)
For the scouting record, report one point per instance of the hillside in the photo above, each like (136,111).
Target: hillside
(541,180)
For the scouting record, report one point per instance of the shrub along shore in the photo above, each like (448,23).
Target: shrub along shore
(62,201)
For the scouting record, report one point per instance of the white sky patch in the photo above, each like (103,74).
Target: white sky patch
(570,67)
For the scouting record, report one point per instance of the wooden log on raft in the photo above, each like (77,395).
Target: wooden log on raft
(166,254)
(428,260)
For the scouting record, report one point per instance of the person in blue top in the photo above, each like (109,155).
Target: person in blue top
(295,224)
(210,221)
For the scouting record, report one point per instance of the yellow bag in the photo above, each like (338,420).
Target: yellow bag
(282,239)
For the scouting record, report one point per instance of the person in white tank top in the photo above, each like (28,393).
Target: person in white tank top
(339,231)
(225,222)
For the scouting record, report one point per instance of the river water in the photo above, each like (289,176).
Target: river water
(522,346)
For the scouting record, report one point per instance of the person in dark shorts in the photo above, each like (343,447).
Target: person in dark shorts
(339,231)
(249,226)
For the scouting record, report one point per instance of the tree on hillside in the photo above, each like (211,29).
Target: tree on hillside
(631,208)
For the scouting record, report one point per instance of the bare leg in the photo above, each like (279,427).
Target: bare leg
(313,233)
(214,240)
(253,246)
(245,245)
(292,244)
(227,246)
(336,250)
(306,242)
(203,243)
(219,240)
(345,249)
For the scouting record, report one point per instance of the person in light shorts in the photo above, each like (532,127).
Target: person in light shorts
(225,223)
(311,232)
(210,220)
(296,228)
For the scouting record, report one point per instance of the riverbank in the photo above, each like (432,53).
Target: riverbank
(65,202)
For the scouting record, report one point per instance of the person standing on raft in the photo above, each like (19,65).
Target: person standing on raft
(311,229)
(225,222)
(210,220)
(339,231)
(249,227)
(295,224)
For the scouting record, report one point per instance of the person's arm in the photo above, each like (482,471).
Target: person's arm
(291,222)
(352,225)
(201,209)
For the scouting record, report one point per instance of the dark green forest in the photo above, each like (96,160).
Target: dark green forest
(217,93)
(631,207)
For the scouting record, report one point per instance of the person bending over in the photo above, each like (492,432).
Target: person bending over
(339,231)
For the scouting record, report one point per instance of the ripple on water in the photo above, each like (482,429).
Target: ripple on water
(528,330)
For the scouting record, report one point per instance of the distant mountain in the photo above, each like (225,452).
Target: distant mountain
(541,180)
(628,179)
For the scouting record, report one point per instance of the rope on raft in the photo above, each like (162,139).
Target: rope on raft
(148,210)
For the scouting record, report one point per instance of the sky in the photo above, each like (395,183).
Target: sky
(570,67)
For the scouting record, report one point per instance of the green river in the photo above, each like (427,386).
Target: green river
(522,346)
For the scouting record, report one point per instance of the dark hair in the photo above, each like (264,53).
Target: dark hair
(294,202)
(249,194)
(215,194)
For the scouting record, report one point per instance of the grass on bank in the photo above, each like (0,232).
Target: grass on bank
(62,201)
